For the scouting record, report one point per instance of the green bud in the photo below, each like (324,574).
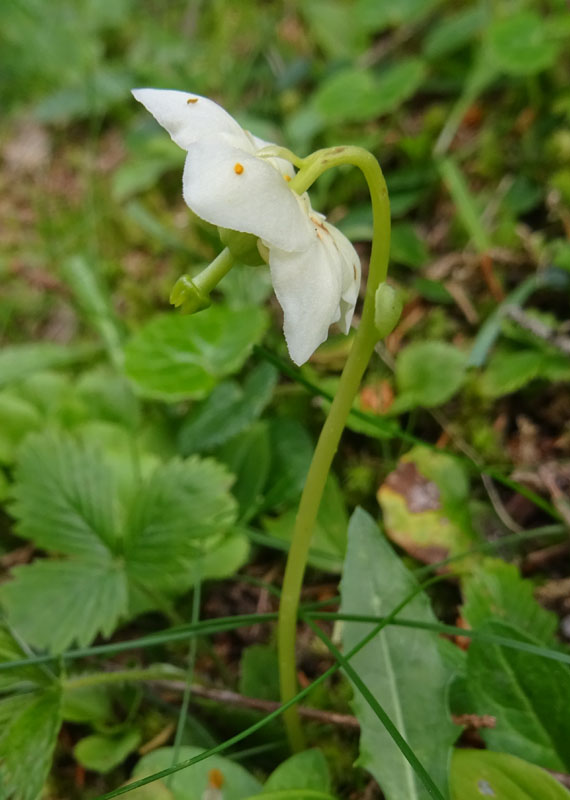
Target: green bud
(242,246)
(387,309)
(188,297)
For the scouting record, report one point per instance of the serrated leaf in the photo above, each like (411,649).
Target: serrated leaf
(228,411)
(103,753)
(519,44)
(12,650)
(174,357)
(373,583)
(192,782)
(27,741)
(182,505)
(163,529)
(495,590)
(54,603)
(428,374)
(478,773)
(306,770)
(528,695)
(63,497)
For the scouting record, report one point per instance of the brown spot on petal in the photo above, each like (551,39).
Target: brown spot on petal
(191,100)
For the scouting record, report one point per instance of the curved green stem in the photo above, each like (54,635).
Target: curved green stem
(362,349)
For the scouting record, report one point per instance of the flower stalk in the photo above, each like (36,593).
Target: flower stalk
(365,340)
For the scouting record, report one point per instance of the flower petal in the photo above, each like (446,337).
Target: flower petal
(308,286)
(350,271)
(281,164)
(228,187)
(190,117)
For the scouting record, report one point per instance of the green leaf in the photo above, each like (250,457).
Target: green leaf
(356,95)
(192,782)
(63,497)
(406,247)
(18,361)
(291,451)
(428,374)
(248,456)
(18,417)
(103,753)
(454,32)
(527,695)
(328,542)
(54,603)
(375,16)
(12,650)
(174,357)
(478,773)
(228,410)
(87,704)
(182,505)
(28,734)
(519,44)
(259,670)
(126,546)
(508,371)
(495,590)
(425,506)
(373,583)
(306,770)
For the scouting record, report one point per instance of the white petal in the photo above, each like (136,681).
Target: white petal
(308,286)
(351,271)
(233,189)
(190,117)
(281,164)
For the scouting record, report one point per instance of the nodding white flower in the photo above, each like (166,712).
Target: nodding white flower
(230,183)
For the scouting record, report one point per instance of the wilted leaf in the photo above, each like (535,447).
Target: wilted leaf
(424,503)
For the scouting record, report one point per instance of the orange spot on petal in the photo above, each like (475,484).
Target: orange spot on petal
(287,178)
(238,168)
(216,779)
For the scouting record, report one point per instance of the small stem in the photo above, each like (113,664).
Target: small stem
(123,676)
(360,354)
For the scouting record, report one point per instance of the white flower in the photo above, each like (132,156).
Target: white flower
(314,268)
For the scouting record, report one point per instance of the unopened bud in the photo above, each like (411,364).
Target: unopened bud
(387,310)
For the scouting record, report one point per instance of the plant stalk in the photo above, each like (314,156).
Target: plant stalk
(360,354)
